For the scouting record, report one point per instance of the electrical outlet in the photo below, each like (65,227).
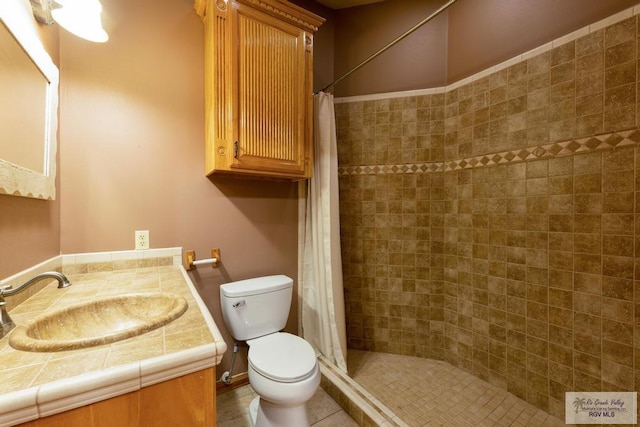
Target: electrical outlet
(142,239)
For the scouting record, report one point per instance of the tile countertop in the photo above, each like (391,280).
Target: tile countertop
(35,385)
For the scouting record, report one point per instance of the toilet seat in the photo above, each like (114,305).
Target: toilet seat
(282,357)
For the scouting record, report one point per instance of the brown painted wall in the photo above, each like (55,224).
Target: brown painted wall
(482,33)
(132,147)
(131,157)
(29,232)
(419,61)
(30,228)
(469,37)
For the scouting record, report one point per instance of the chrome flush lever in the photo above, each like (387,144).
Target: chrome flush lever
(239,304)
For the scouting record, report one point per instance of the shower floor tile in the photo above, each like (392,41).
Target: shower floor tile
(323,411)
(424,392)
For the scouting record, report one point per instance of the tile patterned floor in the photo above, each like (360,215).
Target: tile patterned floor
(424,392)
(323,411)
(420,392)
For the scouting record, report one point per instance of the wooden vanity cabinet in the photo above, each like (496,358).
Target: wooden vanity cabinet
(189,400)
(258,87)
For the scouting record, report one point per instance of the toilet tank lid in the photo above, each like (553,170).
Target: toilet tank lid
(256,286)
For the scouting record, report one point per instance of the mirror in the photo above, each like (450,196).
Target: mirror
(28,106)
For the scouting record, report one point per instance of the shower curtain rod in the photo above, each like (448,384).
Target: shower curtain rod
(396,40)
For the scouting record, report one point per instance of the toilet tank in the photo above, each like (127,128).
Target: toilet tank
(255,307)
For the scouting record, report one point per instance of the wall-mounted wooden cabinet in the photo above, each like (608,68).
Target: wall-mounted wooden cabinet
(258,87)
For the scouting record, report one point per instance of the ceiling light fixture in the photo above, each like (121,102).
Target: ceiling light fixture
(82,18)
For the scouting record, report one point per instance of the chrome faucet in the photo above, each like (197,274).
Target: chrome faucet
(6,324)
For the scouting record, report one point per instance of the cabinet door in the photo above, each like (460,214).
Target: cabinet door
(189,400)
(270,90)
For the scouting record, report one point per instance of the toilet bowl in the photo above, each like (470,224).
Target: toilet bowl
(283,368)
(284,372)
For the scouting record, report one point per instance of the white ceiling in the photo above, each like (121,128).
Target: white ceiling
(343,4)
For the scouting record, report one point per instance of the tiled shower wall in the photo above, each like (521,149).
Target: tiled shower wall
(494,224)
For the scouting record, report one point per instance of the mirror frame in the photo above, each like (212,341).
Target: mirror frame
(16,180)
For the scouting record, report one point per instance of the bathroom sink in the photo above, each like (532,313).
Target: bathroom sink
(98,322)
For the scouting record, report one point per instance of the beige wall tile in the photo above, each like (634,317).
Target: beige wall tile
(523,273)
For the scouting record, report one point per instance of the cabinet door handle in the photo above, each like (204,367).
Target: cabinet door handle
(236,150)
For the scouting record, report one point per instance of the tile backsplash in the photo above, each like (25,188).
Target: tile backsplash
(492,223)
(92,262)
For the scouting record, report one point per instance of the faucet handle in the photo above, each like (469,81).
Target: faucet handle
(6,324)
(3,288)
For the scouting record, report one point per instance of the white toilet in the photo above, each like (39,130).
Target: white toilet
(283,368)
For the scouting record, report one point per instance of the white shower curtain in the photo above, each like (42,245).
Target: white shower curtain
(323,317)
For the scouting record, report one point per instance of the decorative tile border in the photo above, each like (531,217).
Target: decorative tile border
(391,169)
(628,137)
(556,149)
